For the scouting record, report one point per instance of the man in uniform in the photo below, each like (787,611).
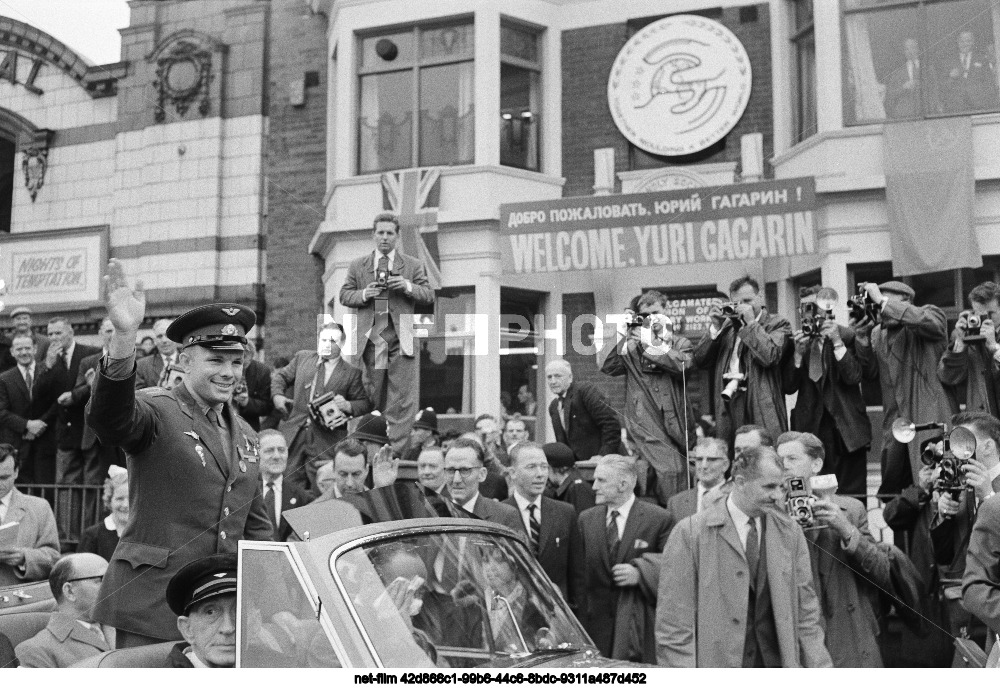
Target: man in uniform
(193,462)
(203,596)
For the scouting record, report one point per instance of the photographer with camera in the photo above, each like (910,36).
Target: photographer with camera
(309,377)
(848,567)
(901,344)
(973,357)
(745,350)
(385,287)
(827,377)
(658,415)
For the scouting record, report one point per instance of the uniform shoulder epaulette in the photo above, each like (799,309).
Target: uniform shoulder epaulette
(154,391)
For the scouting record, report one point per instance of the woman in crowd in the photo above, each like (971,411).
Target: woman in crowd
(102,538)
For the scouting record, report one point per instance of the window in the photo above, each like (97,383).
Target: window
(7,157)
(519,354)
(915,59)
(446,354)
(520,97)
(416,106)
(804,55)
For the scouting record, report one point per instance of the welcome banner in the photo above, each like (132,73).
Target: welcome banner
(702,225)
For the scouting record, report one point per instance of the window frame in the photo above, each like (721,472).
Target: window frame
(418,64)
(799,36)
(538,68)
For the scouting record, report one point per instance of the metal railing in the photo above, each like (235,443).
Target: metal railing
(76,508)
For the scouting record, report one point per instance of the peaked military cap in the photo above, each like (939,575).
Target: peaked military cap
(218,326)
(200,580)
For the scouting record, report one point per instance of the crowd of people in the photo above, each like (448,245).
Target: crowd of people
(744,546)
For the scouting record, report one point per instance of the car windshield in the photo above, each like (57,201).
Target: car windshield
(455,599)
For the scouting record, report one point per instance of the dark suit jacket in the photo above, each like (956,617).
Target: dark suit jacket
(81,395)
(838,391)
(97,539)
(497,512)
(7,359)
(981,582)
(682,505)
(69,427)
(295,381)
(573,490)
(16,410)
(179,474)
(359,275)
(594,429)
(148,370)
(257,377)
(292,497)
(646,531)
(560,551)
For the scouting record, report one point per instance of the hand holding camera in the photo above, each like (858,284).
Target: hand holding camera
(745,311)
(801,340)
(976,477)
(829,514)
(371,291)
(831,331)
(947,506)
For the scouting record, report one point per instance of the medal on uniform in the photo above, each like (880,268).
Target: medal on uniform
(201,454)
(243,465)
(193,435)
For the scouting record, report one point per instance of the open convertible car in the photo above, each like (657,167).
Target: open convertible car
(395,578)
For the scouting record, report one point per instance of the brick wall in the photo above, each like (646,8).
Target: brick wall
(587,57)
(585,366)
(295,172)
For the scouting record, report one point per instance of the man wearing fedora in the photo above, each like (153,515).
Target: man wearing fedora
(423,434)
(193,462)
(385,287)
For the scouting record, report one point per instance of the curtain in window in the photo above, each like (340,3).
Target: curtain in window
(368,125)
(867,91)
(465,98)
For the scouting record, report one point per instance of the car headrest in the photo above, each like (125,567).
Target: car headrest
(20,627)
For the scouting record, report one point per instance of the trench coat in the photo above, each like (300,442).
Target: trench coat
(903,352)
(975,367)
(766,344)
(658,416)
(187,498)
(701,613)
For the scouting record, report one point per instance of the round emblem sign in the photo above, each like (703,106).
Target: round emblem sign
(679,85)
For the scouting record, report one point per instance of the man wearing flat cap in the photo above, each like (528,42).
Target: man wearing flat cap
(193,462)
(902,350)
(203,596)
(385,287)
(20,318)
(566,483)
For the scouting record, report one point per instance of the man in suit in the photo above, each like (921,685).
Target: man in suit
(193,461)
(97,456)
(202,595)
(616,534)
(430,470)
(350,468)
(581,415)
(152,370)
(423,434)
(658,415)
(384,287)
(549,525)
(464,470)
(711,461)
(566,483)
(515,430)
(278,496)
(72,634)
(745,352)
(848,567)
(253,397)
(972,360)
(28,417)
(827,377)
(912,89)
(20,318)
(308,376)
(36,546)
(736,588)
(971,83)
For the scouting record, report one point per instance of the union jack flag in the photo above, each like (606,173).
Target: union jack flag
(414,195)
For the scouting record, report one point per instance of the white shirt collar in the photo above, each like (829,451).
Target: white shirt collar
(741,520)
(276,481)
(391,255)
(109,522)
(624,509)
(68,353)
(523,503)
(30,368)
(470,505)
(5,504)
(193,658)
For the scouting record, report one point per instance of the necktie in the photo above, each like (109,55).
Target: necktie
(613,538)
(165,372)
(535,527)
(29,381)
(753,550)
(816,360)
(563,415)
(269,504)
(383,263)
(327,371)
(220,428)
(67,359)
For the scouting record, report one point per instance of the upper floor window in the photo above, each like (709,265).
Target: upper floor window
(520,96)
(917,58)
(804,85)
(416,106)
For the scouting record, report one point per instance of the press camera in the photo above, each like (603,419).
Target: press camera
(323,410)
(862,305)
(973,326)
(800,501)
(950,455)
(382,278)
(814,312)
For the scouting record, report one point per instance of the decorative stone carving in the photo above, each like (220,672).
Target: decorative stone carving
(35,161)
(183,74)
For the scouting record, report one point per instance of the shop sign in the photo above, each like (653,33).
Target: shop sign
(679,85)
(706,225)
(53,268)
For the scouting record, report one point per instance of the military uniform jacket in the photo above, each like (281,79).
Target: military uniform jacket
(187,498)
